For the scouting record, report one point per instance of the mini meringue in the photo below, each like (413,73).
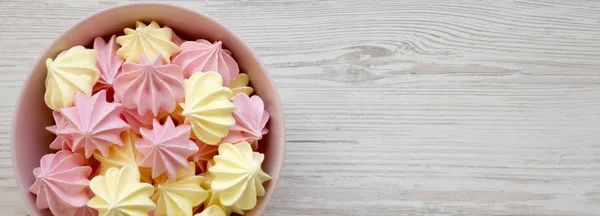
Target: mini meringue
(165,148)
(250,120)
(108,62)
(214,198)
(150,41)
(71,71)
(150,87)
(119,192)
(81,211)
(241,85)
(94,124)
(207,107)
(61,182)
(202,56)
(181,196)
(238,175)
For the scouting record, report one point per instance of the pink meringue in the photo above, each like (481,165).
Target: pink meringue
(202,56)
(205,153)
(150,86)
(79,211)
(61,182)
(82,211)
(61,141)
(94,124)
(250,120)
(109,63)
(165,148)
(136,121)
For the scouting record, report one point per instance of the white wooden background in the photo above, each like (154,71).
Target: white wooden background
(416,107)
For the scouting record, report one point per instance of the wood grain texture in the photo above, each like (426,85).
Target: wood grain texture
(416,107)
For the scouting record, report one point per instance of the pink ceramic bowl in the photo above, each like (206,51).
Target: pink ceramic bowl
(31,140)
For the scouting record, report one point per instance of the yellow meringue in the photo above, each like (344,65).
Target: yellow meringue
(126,155)
(181,196)
(213,210)
(71,71)
(207,107)
(240,85)
(238,176)
(214,197)
(119,192)
(148,41)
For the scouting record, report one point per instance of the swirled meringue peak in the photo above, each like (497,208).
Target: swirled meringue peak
(207,107)
(93,124)
(238,175)
(61,182)
(150,87)
(165,148)
(149,41)
(240,85)
(201,56)
(61,141)
(71,71)
(181,196)
(250,120)
(213,210)
(108,62)
(119,192)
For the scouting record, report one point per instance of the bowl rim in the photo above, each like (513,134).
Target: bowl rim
(20,97)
